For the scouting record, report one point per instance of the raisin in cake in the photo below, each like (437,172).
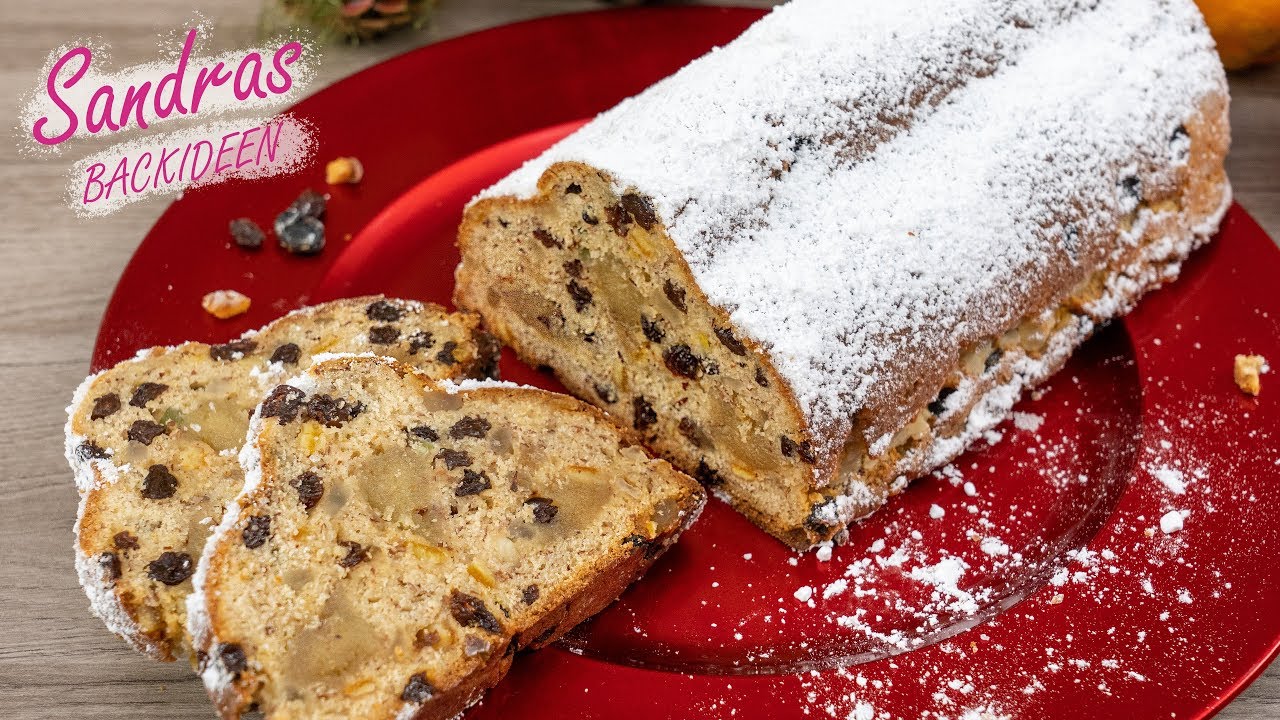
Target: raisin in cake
(821,260)
(388,558)
(153,443)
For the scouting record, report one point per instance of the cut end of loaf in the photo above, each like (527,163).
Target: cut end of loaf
(583,279)
(389,556)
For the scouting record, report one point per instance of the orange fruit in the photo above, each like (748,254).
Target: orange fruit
(1247,31)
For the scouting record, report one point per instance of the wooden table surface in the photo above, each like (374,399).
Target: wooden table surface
(56,273)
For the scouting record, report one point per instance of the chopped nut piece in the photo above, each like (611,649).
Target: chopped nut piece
(473,645)
(425,638)
(224,304)
(343,170)
(1248,373)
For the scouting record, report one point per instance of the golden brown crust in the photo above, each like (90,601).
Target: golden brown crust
(1180,208)
(590,599)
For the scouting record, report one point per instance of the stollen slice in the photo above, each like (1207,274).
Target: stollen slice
(387,558)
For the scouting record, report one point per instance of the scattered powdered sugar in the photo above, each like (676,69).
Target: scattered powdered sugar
(454,387)
(994,546)
(1172,521)
(980,613)
(1172,479)
(945,578)
(940,218)
(329,356)
(1029,422)
(863,711)
(835,587)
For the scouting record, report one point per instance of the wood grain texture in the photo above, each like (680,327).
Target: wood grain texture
(56,273)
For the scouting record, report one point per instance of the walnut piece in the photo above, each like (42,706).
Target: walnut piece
(343,170)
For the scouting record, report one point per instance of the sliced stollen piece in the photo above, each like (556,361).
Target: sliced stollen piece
(821,260)
(153,444)
(387,559)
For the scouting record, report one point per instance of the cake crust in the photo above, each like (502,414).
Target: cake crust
(898,256)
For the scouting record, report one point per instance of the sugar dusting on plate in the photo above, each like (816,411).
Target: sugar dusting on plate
(1122,565)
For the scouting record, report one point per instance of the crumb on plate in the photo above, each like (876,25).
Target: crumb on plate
(1248,373)
(224,304)
(343,170)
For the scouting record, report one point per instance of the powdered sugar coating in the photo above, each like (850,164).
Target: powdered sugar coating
(1122,292)
(89,473)
(867,187)
(454,387)
(86,471)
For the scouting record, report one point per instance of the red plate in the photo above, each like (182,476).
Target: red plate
(1031,580)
